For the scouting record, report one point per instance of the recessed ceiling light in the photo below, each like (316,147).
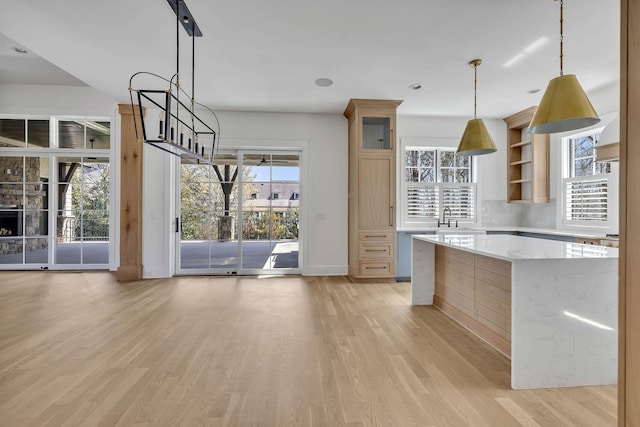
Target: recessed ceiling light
(415,86)
(534,90)
(20,49)
(324,82)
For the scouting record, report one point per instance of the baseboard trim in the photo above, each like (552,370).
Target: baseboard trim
(326,270)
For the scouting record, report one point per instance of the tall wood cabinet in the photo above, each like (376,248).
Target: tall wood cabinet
(372,188)
(527,160)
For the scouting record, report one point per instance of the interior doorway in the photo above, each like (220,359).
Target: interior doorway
(241,216)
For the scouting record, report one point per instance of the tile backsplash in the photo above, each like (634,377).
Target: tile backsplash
(500,213)
(539,215)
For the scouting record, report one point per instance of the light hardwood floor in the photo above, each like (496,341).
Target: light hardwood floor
(82,349)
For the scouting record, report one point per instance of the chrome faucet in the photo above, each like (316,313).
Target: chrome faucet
(444,217)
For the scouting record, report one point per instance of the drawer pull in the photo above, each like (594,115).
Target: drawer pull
(375,268)
(375,250)
(373,235)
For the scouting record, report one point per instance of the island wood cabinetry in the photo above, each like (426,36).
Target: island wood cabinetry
(372,185)
(475,290)
(527,160)
(550,306)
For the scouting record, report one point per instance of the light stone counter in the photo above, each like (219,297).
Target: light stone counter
(564,305)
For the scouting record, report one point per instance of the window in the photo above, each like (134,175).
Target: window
(295,196)
(582,154)
(587,188)
(55,192)
(275,196)
(254,195)
(436,178)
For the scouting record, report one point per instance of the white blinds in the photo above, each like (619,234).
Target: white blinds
(427,200)
(423,200)
(586,199)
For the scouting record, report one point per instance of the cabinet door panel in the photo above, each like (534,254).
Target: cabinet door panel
(376,132)
(375,192)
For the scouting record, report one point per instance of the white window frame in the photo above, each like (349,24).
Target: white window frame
(53,152)
(437,144)
(568,179)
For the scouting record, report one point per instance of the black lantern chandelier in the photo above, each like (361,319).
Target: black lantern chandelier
(181,131)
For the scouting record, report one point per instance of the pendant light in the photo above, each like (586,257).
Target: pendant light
(475,139)
(182,132)
(564,105)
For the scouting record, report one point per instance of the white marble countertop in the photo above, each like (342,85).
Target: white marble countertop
(511,248)
(551,231)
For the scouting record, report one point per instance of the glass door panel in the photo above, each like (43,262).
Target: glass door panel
(208,215)
(256,212)
(82,211)
(270,214)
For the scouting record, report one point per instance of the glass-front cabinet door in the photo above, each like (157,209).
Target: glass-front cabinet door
(376,133)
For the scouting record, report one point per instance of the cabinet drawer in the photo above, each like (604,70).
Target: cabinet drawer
(375,236)
(375,269)
(497,266)
(375,250)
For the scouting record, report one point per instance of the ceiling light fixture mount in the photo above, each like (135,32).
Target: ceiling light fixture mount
(564,105)
(324,82)
(476,139)
(177,115)
(20,50)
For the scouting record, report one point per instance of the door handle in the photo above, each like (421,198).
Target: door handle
(390,216)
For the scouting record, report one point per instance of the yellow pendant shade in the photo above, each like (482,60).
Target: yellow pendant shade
(564,107)
(476,139)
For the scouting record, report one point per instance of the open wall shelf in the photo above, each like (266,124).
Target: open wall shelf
(527,160)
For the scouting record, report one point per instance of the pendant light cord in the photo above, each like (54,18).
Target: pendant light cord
(475,89)
(177,72)
(193,73)
(561,37)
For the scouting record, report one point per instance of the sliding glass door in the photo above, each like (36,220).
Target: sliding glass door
(241,216)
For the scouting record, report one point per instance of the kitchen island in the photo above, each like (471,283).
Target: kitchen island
(550,306)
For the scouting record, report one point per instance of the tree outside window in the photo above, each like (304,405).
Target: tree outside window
(436,165)
(583,156)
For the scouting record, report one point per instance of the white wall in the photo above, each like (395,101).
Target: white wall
(324,181)
(55,100)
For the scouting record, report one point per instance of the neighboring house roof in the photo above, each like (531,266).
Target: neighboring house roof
(284,189)
(287,195)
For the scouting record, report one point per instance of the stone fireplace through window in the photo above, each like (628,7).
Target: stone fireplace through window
(10,220)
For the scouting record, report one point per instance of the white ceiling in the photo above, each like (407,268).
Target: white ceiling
(261,55)
(28,68)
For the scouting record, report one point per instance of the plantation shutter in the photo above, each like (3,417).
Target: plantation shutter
(461,199)
(586,200)
(423,200)
(427,200)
